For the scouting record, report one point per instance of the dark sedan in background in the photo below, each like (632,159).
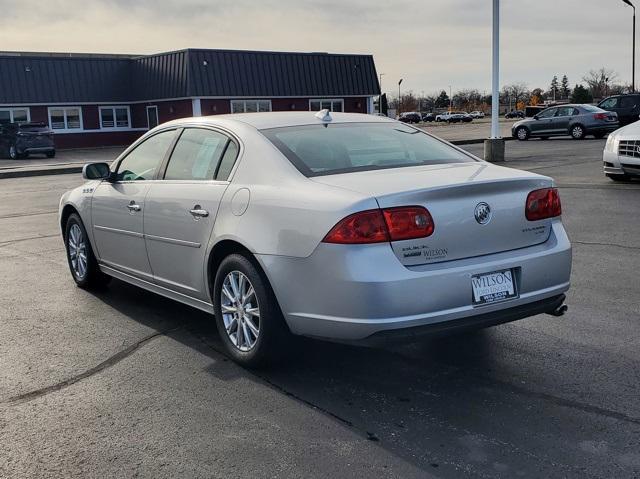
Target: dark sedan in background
(576,121)
(19,140)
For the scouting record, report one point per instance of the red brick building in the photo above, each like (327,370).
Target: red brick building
(93,100)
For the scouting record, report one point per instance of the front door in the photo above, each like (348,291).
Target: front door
(544,122)
(152,116)
(181,210)
(118,207)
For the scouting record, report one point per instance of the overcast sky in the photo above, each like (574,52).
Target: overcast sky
(430,43)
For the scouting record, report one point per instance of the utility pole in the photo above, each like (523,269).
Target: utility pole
(450,100)
(380,97)
(633,48)
(399,96)
(494,146)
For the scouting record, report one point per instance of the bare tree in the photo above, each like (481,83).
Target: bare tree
(515,93)
(599,81)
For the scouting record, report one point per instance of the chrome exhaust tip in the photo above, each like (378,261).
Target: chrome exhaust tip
(559,311)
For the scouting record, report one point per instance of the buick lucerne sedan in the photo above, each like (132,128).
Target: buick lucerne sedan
(347,227)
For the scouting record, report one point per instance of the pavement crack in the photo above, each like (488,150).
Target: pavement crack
(109,362)
(28,238)
(595,243)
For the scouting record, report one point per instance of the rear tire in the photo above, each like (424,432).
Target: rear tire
(251,327)
(82,262)
(577,132)
(522,133)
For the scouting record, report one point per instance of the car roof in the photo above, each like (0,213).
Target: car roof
(264,120)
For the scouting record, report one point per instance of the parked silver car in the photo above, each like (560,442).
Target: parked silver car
(340,226)
(577,121)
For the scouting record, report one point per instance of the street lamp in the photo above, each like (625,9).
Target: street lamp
(399,96)
(380,97)
(633,53)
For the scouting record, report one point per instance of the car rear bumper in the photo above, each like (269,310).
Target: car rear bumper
(350,293)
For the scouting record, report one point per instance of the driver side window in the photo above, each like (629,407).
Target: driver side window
(610,103)
(143,161)
(547,113)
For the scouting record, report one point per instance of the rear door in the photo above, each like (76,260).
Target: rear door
(181,208)
(628,108)
(118,207)
(562,119)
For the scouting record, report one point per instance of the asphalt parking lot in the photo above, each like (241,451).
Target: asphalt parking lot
(123,383)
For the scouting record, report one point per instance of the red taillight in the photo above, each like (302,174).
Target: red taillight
(544,203)
(408,222)
(601,116)
(377,226)
(364,227)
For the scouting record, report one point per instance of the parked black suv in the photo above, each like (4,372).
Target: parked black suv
(410,117)
(626,106)
(19,140)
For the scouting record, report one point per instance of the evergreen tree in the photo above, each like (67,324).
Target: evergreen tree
(554,90)
(564,87)
(581,95)
(443,100)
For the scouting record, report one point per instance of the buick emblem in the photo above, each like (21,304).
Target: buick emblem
(482,213)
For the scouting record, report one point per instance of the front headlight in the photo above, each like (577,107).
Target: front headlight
(612,144)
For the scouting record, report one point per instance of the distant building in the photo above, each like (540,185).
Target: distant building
(103,100)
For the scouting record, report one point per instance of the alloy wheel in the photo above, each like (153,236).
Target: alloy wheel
(77,251)
(240,311)
(522,134)
(577,132)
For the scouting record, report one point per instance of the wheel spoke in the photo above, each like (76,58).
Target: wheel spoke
(249,322)
(228,309)
(253,312)
(234,285)
(229,326)
(227,293)
(245,333)
(250,292)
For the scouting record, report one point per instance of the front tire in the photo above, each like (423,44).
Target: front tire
(577,132)
(82,262)
(622,177)
(522,133)
(247,314)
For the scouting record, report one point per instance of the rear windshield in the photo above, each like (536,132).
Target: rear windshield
(345,147)
(35,128)
(591,108)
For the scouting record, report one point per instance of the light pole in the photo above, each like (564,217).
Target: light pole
(399,96)
(494,146)
(380,97)
(633,52)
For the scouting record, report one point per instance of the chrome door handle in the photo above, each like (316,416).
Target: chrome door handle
(198,212)
(133,207)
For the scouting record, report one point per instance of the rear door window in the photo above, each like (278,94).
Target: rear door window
(628,101)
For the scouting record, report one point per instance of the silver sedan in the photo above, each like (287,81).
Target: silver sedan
(346,227)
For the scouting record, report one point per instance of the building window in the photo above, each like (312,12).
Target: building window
(250,106)
(65,118)
(331,105)
(13,115)
(115,117)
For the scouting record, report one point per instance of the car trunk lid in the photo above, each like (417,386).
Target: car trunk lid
(457,196)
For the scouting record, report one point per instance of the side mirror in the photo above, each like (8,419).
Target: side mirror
(536,117)
(96,171)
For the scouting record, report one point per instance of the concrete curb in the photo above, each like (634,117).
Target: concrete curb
(25,172)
